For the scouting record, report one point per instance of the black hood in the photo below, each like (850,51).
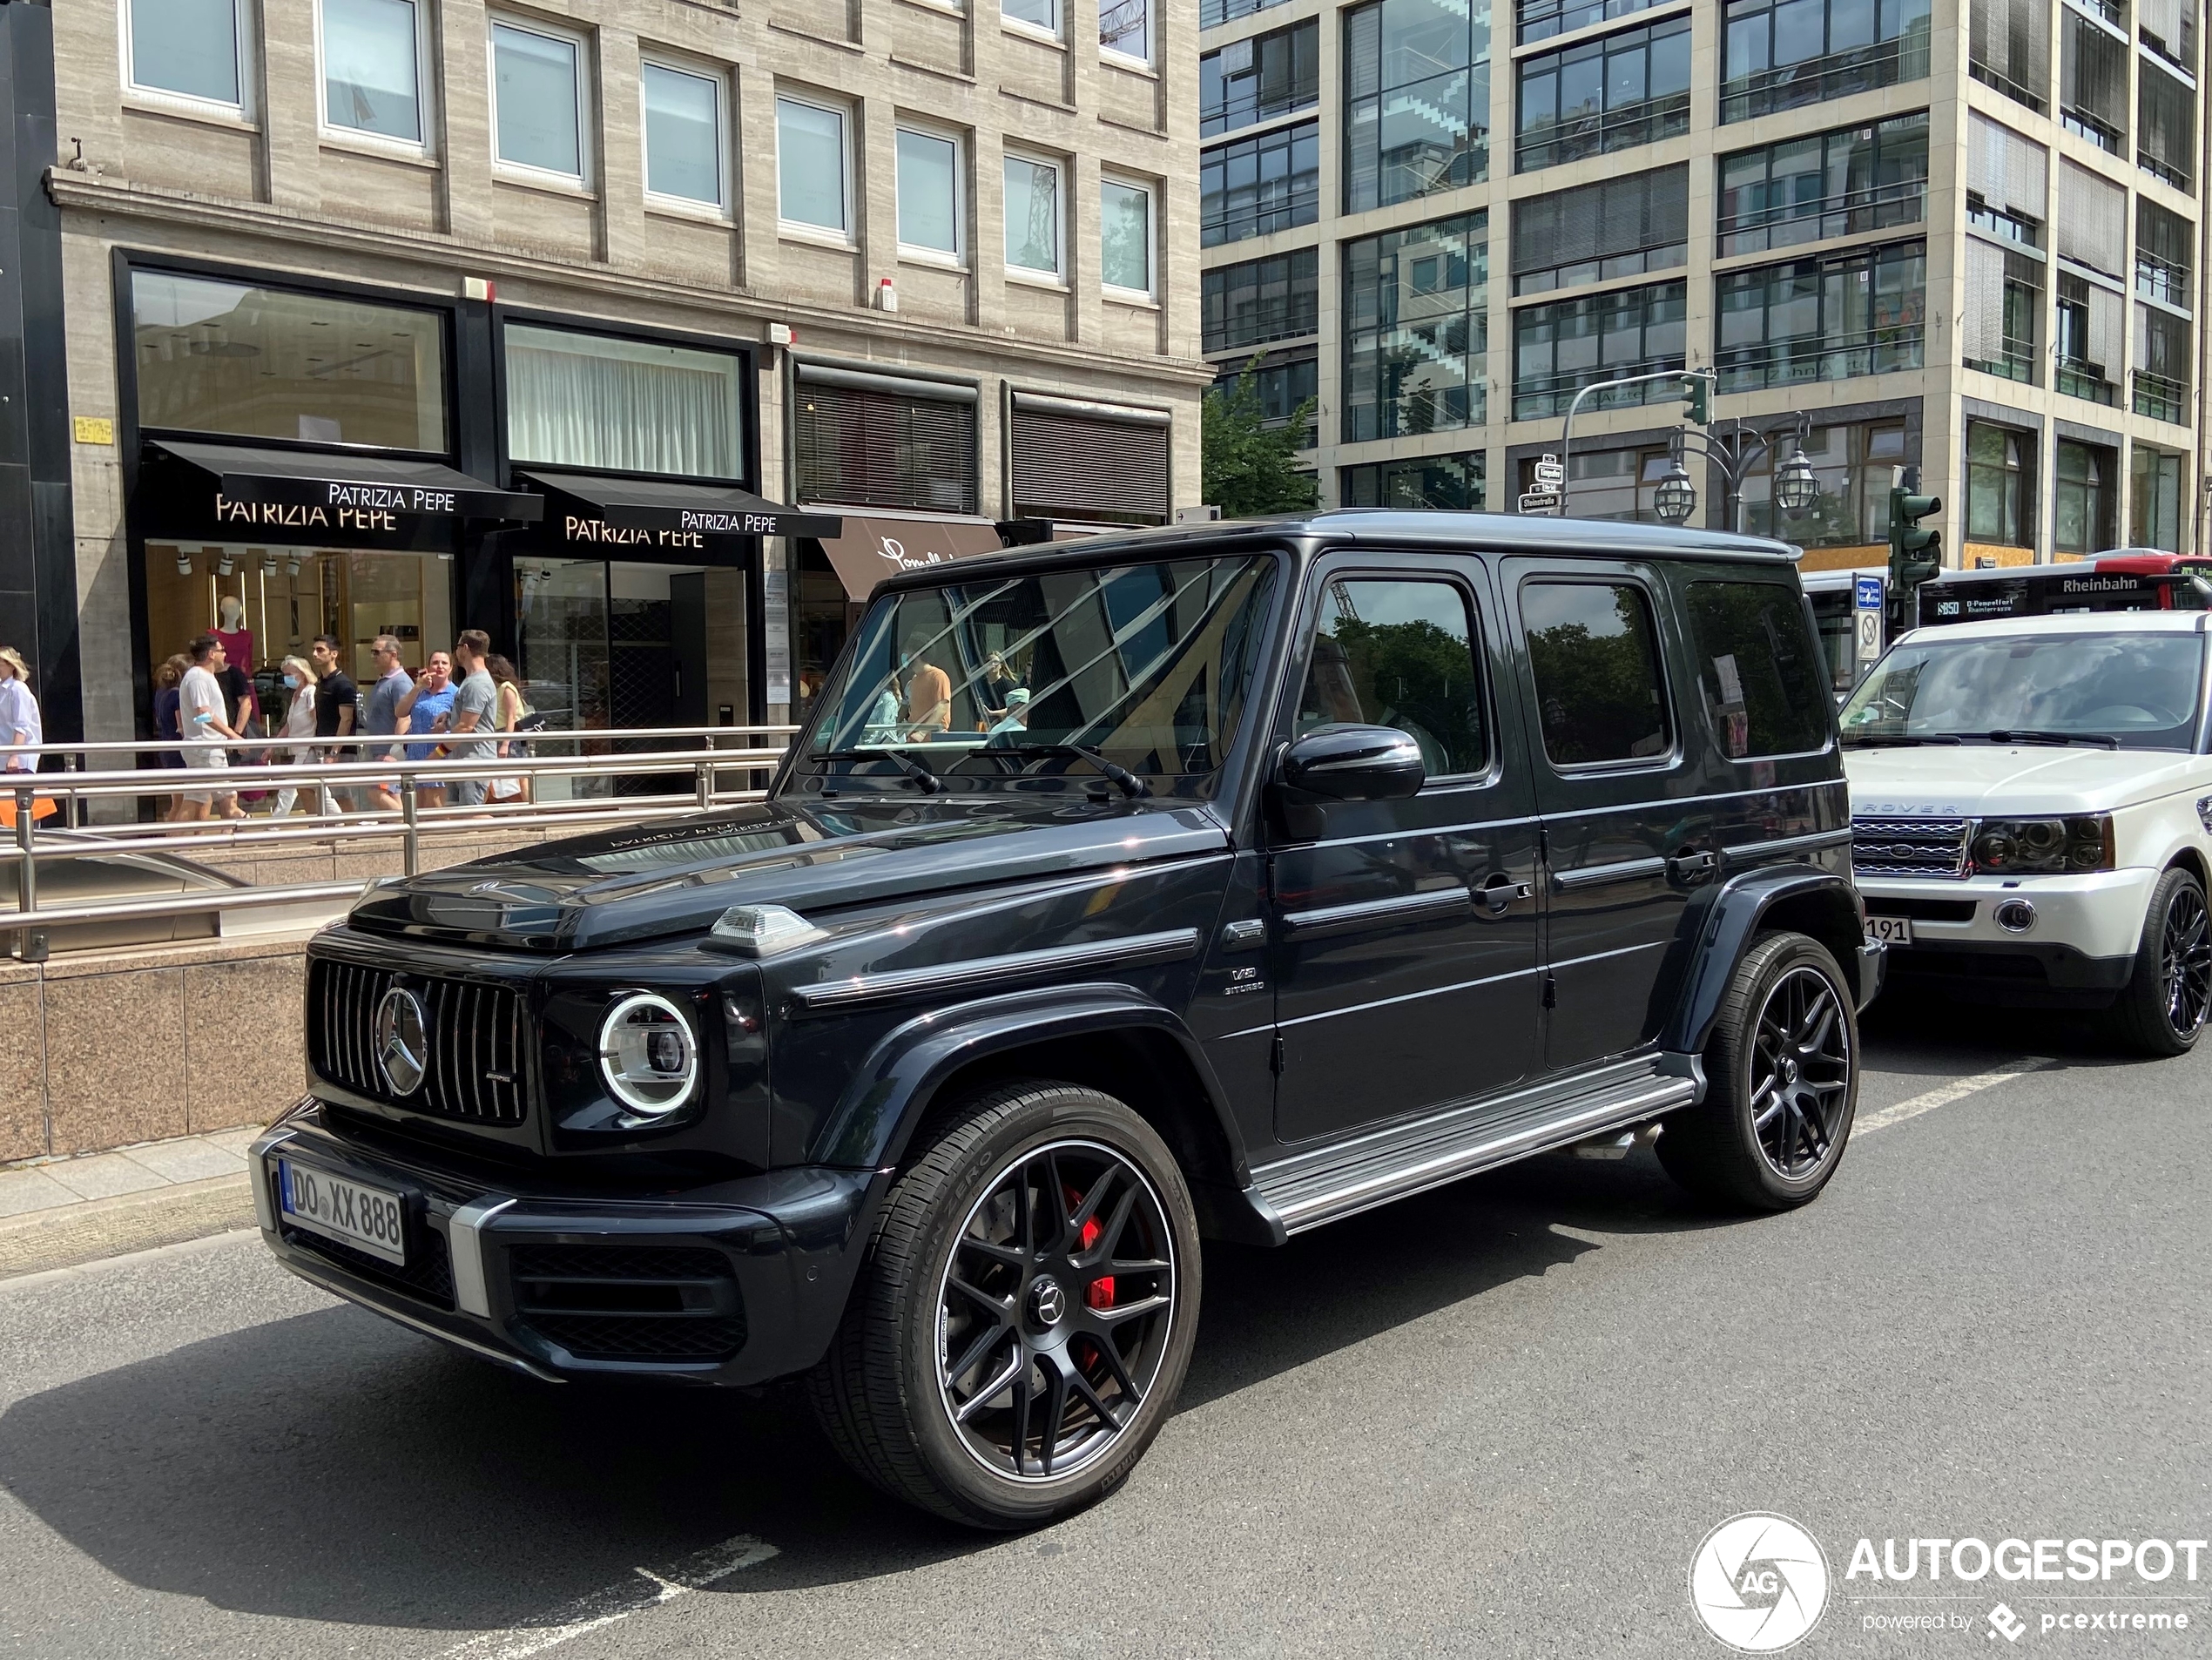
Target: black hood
(659,880)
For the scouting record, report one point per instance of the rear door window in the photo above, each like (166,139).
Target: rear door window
(1759,673)
(1594,652)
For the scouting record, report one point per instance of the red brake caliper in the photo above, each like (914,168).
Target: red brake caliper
(1101,1295)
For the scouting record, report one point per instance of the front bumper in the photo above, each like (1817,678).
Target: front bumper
(2080,947)
(733,1284)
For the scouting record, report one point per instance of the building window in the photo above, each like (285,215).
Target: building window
(1416,329)
(2009,47)
(2155,514)
(1087,468)
(1417,99)
(1259,301)
(1618,227)
(2084,498)
(1626,90)
(2169,28)
(2166,127)
(2164,261)
(1125,28)
(1999,484)
(1257,186)
(870,448)
(1043,16)
(1853,463)
(1033,216)
(2092,84)
(1454,482)
(684,148)
(1125,237)
(929,193)
(1212,12)
(254,363)
(1620,485)
(1260,78)
(623,406)
(1536,20)
(1829,183)
(1560,348)
(1827,318)
(193,49)
(2004,301)
(813,167)
(537,99)
(1284,385)
(372,67)
(2162,364)
(1782,54)
(2085,343)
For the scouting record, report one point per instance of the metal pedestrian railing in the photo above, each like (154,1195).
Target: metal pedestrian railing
(100,798)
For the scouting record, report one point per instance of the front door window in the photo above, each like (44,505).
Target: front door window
(1396,653)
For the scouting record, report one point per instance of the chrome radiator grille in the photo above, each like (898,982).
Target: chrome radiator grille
(473,1072)
(1909,846)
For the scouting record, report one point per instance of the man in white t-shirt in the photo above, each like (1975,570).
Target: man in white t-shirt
(202,712)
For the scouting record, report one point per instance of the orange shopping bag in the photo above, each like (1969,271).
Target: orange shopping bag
(42,806)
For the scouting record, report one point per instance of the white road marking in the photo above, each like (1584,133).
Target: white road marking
(617,1602)
(1944,1095)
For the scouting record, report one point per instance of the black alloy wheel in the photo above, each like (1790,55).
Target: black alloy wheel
(1056,1311)
(2163,1009)
(1801,1072)
(2185,960)
(1781,1082)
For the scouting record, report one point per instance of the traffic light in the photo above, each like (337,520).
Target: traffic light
(1698,399)
(1915,555)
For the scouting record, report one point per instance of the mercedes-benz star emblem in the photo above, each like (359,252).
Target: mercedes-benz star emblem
(402,1040)
(1047,1302)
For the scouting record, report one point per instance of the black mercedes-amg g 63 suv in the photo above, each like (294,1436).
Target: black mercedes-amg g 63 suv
(1204,883)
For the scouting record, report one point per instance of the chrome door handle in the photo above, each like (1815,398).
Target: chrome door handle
(1686,866)
(1500,891)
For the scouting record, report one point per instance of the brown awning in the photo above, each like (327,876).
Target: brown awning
(871,549)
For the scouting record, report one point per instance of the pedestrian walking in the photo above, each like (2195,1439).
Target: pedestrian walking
(381,719)
(510,714)
(166,678)
(475,705)
(337,704)
(203,712)
(422,711)
(20,728)
(299,678)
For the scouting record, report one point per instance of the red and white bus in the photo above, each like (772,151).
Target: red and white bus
(2128,579)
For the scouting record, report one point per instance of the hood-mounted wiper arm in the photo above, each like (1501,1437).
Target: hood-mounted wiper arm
(2103,740)
(1131,785)
(1896,739)
(930,782)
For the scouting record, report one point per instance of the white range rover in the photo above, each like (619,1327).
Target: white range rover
(2030,808)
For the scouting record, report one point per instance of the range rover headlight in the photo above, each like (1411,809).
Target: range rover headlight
(2043,845)
(648,1055)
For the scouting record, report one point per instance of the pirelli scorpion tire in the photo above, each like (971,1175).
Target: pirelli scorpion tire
(1025,1314)
(1782,1083)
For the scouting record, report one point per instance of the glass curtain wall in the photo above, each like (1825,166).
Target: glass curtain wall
(1619,92)
(1783,54)
(1827,184)
(1416,329)
(1417,99)
(1559,348)
(1827,318)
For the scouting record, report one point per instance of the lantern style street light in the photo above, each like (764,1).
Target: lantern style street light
(1676,496)
(1796,487)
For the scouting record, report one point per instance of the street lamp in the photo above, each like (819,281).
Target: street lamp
(1676,497)
(1796,487)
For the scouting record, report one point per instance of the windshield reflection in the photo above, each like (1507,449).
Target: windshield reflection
(2142,691)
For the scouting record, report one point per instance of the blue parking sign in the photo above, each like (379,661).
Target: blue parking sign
(1868,597)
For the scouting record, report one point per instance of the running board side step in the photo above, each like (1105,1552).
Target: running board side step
(1411,1158)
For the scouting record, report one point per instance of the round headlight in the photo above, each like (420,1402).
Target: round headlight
(2041,838)
(1994,850)
(647,1053)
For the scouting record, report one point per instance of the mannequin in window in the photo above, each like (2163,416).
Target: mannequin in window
(237,678)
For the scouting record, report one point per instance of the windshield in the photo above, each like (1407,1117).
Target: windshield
(2139,689)
(1149,666)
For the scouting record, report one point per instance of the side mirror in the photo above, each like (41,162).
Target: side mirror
(1354,764)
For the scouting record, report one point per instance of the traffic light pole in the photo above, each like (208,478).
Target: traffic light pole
(1567,430)
(1915,555)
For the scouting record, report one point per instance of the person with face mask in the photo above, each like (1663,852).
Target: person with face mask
(299,678)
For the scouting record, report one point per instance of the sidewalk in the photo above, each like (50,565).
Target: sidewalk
(59,1212)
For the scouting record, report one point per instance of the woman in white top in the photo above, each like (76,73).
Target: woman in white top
(19,727)
(299,678)
(507,713)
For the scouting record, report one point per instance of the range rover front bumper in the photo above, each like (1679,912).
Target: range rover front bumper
(2079,948)
(737,1283)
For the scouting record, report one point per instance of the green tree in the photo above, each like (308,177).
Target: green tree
(1250,468)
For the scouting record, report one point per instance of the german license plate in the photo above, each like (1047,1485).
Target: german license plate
(367,1219)
(1890,930)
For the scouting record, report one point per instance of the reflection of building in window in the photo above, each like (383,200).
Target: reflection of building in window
(1826,184)
(1259,78)
(2000,475)
(1417,99)
(1259,185)
(1626,90)
(2084,482)
(1559,348)
(1782,54)
(1416,481)
(1827,317)
(1853,463)
(1416,329)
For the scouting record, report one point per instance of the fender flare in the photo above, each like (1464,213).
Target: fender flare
(1722,928)
(895,1084)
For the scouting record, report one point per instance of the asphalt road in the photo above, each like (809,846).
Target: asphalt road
(1497,1420)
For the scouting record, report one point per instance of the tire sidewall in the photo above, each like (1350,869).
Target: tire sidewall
(1053,1115)
(1765,966)
(2149,986)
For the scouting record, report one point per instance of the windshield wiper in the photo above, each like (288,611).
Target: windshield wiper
(2003,736)
(1855,740)
(1131,785)
(930,782)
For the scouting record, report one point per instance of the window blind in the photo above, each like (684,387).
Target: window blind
(2011,39)
(2164,236)
(2093,72)
(873,448)
(1600,220)
(2093,220)
(2107,311)
(1070,466)
(2012,173)
(2166,123)
(1985,327)
(2162,344)
(2173,22)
